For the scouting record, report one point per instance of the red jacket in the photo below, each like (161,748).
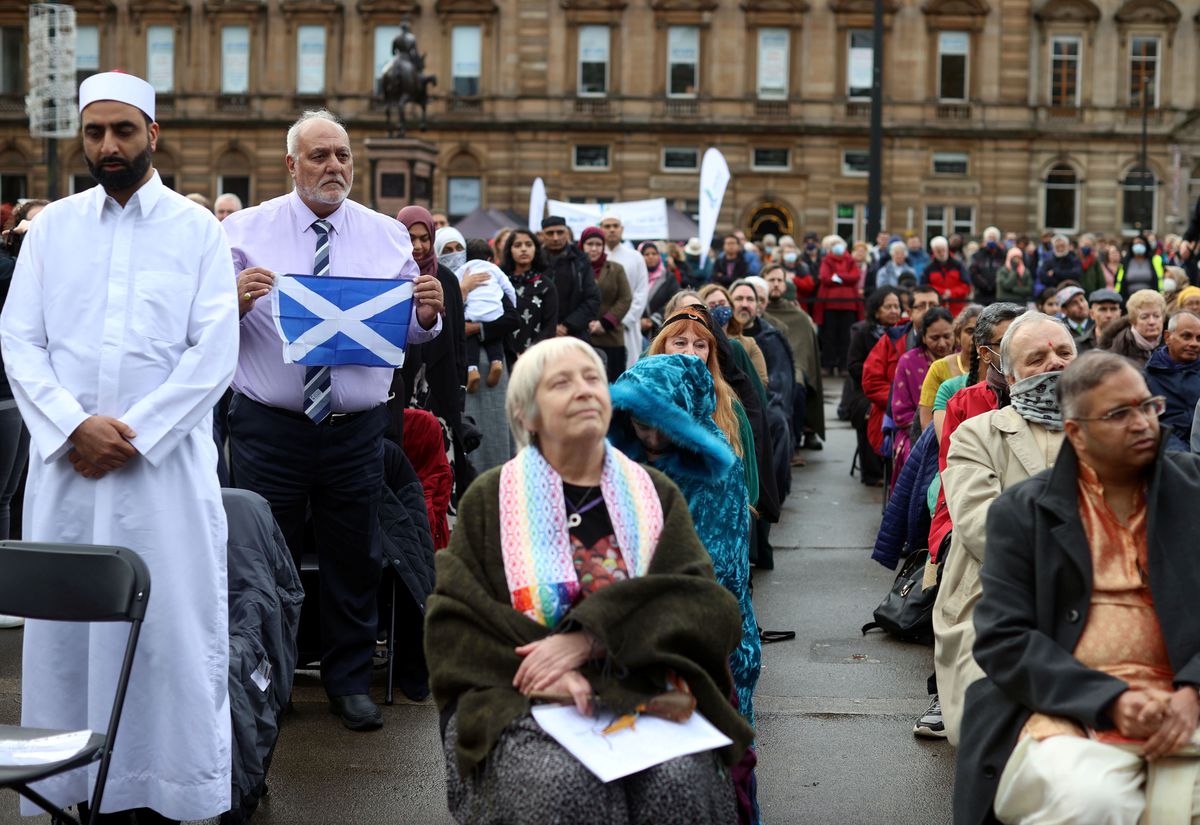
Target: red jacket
(952,284)
(966,403)
(878,371)
(806,284)
(844,296)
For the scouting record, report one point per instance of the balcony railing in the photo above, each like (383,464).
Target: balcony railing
(771,108)
(954,111)
(464,105)
(683,108)
(858,108)
(593,106)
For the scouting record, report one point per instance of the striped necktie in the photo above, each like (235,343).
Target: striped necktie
(318,383)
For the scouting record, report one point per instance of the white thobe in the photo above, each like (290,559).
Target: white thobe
(639,284)
(131,313)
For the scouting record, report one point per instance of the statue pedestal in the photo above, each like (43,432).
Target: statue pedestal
(401,173)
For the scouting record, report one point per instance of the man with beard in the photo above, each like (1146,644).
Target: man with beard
(639,284)
(781,376)
(310,439)
(119,336)
(808,403)
(1173,372)
(1073,303)
(569,270)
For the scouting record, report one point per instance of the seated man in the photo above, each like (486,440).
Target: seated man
(1107,307)
(988,454)
(1073,304)
(1173,372)
(1086,628)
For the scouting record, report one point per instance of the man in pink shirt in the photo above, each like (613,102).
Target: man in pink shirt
(310,439)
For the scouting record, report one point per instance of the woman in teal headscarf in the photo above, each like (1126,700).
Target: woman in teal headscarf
(663,416)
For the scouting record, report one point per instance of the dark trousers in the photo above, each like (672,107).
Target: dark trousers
(835,337)
(494,347)
(335,472)
(614,362)
(14,450)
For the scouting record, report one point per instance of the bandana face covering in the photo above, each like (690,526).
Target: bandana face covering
(1036,401)
(453,260)
(721,315)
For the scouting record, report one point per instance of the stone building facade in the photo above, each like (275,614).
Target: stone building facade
(1020,113)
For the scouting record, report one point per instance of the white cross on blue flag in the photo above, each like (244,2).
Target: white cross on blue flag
(330,322)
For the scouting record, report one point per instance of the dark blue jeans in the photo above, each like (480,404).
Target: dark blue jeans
(333,471)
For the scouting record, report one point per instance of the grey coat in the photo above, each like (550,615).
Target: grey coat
(1037,583)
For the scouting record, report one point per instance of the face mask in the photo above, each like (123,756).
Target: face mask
(453,260)
(992,244)
(1035,399)
(789,257)
(810,246)
(1139,249)
(1010,243)
(1086,250)
(721,315)
(1169,285)
(839,249)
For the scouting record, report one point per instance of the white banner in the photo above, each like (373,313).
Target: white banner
(714,177)
(537,205)
(642,220)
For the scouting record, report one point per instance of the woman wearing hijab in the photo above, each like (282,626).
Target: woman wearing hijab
(450,247)
(607,333)
(660,290)
(435,371)
(1014,282)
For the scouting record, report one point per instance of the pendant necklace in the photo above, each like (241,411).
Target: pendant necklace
(577,510)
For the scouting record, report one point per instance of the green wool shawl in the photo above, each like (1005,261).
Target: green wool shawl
(674,618)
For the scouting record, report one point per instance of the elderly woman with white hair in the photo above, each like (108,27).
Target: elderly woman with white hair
(985,266)
(575,572)
(895,272)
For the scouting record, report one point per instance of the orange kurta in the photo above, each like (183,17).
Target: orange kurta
(1122,637)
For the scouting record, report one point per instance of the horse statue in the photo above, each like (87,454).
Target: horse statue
(403,81)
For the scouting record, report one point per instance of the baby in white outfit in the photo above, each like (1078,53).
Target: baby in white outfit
(484,303)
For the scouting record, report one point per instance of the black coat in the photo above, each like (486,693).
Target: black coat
(1037,585)
(864,335)
(741,268)
(445,362)
(578,295)
(985,263)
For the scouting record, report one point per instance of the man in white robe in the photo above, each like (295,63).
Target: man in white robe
(119,335)
(639,284)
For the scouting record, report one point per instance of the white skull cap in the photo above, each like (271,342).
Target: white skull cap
(118,86)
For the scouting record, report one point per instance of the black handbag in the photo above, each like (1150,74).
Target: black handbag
(906,612)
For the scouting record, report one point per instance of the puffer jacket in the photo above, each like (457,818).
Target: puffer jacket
(905,525)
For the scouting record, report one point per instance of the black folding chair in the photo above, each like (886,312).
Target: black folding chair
(72,583)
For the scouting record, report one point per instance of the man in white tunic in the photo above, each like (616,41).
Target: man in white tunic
(639,284)
(119,334)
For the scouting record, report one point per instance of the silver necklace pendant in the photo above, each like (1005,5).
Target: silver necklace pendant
(574,520)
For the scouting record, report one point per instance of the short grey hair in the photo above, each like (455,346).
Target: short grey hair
(229,196)
(939,240)
(520,403)
(1061,237)
(1174,322)
(293,132)
(894,245)
(1029,318)
(1084,374)
(991,230)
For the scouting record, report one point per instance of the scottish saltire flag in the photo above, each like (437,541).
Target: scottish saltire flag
(328,322)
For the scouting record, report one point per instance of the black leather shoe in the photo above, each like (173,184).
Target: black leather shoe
(357,711)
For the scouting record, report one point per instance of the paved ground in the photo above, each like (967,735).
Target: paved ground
(835,709)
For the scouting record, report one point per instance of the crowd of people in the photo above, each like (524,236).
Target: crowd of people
(604,435)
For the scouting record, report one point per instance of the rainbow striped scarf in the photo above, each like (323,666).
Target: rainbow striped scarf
(538,563)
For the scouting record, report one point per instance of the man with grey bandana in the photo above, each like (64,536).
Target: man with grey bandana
(988,454)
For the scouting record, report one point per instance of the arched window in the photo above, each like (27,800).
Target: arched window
(1062,198)
(1138,199)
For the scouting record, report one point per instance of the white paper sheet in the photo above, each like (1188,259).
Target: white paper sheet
(44,749)
(650,742)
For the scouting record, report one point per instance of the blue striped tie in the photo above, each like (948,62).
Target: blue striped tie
(318,383)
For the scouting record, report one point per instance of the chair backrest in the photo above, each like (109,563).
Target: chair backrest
(72,582)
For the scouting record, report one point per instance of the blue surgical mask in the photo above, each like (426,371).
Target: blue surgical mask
(453,260)
(789,257)
(721,315)
(1009,243)
(839,249)
(1139,249)
(992,244)
(1086,250)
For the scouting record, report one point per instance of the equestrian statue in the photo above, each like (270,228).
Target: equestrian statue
(403,81)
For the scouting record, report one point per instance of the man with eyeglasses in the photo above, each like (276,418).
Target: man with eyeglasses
(988,454)
(1173,372)
(1086,628)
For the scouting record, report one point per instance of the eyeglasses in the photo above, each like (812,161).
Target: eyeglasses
(1123,416)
